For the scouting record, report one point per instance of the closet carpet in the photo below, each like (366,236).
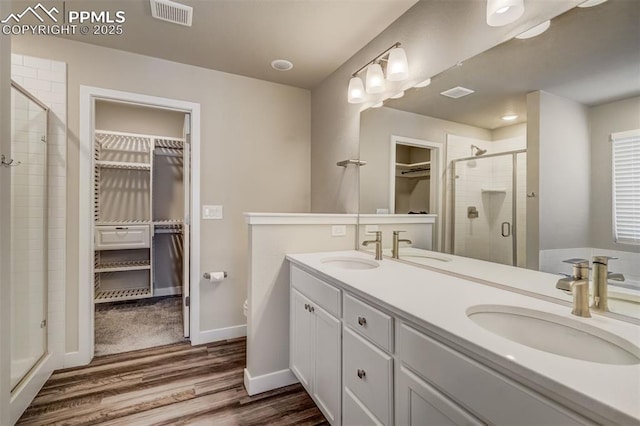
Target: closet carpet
(145,323)
(177,384)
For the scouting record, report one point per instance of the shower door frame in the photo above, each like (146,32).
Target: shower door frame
(514,187)
(31,383)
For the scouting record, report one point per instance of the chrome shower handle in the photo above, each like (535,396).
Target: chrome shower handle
(506,233)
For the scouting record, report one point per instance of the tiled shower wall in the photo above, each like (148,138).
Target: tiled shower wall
(481,238)
(47,81)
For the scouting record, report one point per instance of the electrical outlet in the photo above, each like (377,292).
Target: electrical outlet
(212,212)
(338,230)
(382,211)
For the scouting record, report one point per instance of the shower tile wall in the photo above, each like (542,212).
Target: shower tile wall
(494,208)
(47,80)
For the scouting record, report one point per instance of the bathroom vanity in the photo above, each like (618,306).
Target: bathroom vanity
(382,342)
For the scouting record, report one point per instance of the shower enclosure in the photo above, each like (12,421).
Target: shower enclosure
(28,164)
(489,207)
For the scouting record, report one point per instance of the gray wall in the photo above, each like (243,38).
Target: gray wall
(606,119)
(254,156)
(376,127)
(558,171)
(121,117)
(436,35)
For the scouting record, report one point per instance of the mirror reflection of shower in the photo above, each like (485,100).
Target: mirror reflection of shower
(479,151)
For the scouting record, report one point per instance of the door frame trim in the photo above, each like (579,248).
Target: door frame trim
(86,307)
(439,149)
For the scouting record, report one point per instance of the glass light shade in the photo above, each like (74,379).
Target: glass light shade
(355,94)
(375,79)
(503,12)
(591,3)
(397,67)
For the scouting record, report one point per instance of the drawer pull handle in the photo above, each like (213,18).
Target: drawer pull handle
(361,373)
(306,306)
(122,228)
(311,309)
(362,321)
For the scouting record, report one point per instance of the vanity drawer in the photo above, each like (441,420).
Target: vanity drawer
(369,321)
(367,372)
(122,237)
(486,393)
(320,292)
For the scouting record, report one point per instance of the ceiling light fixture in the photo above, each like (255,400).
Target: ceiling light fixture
(503,12)
(281,65)
(509,117)
(591,3)
(535,31)
(397,69)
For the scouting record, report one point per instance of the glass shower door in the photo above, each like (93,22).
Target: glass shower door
(28,164)
(484,207)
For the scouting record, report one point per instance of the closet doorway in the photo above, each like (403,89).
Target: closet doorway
(141,200)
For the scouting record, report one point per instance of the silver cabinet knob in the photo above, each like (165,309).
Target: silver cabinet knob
(311,309)
(362,321)
(306,306)
(361,373)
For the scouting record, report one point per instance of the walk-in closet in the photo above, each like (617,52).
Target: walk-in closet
(141,233)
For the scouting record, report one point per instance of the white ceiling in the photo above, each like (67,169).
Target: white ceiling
(589,55)
(244,36)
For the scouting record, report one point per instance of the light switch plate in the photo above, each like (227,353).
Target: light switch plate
(338,230)
(212,212)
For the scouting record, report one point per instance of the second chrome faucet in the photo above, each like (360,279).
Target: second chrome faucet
(395,250)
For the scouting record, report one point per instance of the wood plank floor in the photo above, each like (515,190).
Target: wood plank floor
(176,384)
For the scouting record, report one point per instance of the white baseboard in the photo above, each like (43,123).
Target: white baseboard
(167,291)
(267,382)
(218,334)
(74,359)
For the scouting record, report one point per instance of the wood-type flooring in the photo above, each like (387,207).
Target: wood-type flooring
(176,384)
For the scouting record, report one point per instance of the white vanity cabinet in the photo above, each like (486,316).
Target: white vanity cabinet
(316,341)
(365,364)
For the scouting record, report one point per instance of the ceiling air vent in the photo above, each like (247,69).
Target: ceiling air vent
(457,92)
(171,11)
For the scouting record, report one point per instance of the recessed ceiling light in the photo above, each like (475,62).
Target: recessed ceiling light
(423,83)
(509,117)
(591,3)
(535,31)
(281,65)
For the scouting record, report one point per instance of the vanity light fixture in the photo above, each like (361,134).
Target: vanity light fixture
(503,12)
(378,105)
(535,31)
(397,95)
(395,60)
(509,117)
(591,3)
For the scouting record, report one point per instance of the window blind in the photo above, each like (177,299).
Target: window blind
(626,186)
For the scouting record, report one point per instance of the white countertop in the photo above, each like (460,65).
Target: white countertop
(438,302)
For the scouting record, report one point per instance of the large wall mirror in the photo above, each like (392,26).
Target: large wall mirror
(507,157)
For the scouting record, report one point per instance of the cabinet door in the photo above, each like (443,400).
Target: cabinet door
(301,356)
(327,354)
(418,404)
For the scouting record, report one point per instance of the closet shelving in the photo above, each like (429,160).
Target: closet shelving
(128,217)
(413,170)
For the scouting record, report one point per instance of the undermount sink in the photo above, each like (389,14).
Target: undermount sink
(555,334)
(346,262)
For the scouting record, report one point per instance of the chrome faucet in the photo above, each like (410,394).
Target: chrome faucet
(377,242)
(395,250)
(601,277)
(578,285)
